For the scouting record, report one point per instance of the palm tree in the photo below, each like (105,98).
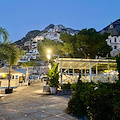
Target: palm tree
(9,53)
(4,34)
(27,65)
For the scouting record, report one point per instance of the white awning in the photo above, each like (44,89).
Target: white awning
(78,63)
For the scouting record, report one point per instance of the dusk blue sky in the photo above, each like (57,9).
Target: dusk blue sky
(21,16)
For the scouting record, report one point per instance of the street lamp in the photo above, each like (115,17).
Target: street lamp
(48,57)
(49,51)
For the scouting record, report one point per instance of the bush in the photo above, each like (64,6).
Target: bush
(53,76)
(76,105)
(73,86)
(66,86)
(98,101)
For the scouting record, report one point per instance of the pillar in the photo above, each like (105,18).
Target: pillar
(96,69)
(61,71)
(90,72)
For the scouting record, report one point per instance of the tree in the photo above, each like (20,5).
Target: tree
(118,65)
(27,65)
(69,46)
(92,43)
(4,34)
(87,43)
(10,53)
(54,46)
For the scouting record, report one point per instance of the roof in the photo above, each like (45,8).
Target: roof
(21,71)
(79,63)
(6,71)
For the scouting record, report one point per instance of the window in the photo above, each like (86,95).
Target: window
(110,41)
(16,77)
(13,77)
(115,47)
(115,39)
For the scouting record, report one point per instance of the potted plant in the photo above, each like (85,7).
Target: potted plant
(53,77)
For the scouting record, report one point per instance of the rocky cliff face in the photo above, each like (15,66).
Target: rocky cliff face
(60,28)
(116,26)
(47,32)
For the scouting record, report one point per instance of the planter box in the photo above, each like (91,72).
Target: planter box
(46,88)
(8,91)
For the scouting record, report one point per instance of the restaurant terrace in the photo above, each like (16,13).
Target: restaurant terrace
(103,70)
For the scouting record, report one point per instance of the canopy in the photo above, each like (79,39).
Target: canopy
(5,70)
(82,64)
(78,63)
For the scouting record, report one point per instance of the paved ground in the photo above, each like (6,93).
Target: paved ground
(28,103)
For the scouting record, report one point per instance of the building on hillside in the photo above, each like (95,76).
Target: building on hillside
(31,45)
(31,48)
(113,41)
(39,69)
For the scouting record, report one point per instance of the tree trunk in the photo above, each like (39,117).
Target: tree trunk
(27,75)
(9,77)
(84,54)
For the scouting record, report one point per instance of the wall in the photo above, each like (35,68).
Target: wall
(13,83)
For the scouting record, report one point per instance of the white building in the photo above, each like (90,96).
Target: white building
(113,41)
(32,52)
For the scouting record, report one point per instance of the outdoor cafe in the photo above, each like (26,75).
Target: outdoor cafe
(95,70)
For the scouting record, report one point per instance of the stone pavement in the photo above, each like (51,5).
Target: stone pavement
(29,103)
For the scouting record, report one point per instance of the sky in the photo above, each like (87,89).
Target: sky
(19,17)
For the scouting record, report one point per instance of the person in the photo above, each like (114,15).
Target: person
(79,77)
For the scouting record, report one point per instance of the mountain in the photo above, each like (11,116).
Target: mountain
(28,36)
(60,28)
(50,32)
(53,32)
(116,27)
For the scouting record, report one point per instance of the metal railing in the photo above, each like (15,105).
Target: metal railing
(71,78)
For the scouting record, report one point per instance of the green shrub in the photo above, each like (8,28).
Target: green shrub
(98,101)
(76,104)
(66,86)
(73,86)
(53,76)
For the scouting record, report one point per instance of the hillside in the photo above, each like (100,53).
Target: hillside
(29,35)
(116,26)
(53,32)
(50,32)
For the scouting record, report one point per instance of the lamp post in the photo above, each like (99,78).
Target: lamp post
(48,57)
(46,88)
